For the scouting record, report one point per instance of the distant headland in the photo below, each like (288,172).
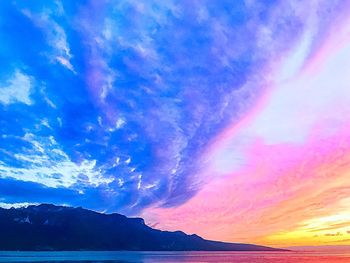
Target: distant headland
(48,227)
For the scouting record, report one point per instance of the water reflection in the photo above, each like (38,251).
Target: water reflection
(154,257)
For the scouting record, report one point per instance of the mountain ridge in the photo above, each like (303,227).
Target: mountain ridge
(48,227)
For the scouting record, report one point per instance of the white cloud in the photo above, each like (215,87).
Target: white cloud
(317,95)
(47,164)
(119,123)
(128,161)
(139,183)
(56,37)
(17,90)
(65,62)
(297,57)
(58,40)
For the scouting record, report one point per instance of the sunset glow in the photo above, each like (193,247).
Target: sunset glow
(228,121)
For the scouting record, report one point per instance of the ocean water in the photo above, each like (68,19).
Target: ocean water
(154,257)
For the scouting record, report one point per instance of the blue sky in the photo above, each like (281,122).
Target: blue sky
(110,104)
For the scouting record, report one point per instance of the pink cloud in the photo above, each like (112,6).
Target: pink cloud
(281,184)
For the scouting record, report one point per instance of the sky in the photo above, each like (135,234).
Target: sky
(228,119)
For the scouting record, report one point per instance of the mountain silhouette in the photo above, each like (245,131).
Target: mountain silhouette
(50,227)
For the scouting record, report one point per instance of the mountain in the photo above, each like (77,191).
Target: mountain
(49,227)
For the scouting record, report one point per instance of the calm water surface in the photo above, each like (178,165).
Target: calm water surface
(154,257)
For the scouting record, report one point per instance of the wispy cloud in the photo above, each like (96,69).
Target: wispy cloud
(287,156)
(55,35)
(45,162)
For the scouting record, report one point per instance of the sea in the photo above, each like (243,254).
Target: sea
(154,257)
